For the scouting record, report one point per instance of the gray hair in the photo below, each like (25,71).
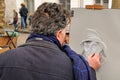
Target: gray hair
(49,18)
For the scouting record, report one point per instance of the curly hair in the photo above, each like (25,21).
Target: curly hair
(49,18)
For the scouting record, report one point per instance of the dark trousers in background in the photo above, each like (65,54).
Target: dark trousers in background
(15,24)
(25,19)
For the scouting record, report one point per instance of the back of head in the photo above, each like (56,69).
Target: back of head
(49,18)
(23,4)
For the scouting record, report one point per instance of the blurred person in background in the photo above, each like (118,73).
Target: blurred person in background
(15,19)
(23,13)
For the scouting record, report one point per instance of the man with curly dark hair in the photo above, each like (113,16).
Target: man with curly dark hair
(44,56)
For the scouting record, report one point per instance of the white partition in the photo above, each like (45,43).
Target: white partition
(104,24)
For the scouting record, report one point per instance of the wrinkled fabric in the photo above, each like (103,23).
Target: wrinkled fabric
(82,70)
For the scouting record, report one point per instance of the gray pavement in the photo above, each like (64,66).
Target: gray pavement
(22,38)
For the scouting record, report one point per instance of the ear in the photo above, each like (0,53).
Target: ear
(58,35)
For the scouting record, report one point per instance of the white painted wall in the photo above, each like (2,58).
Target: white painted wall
(88,2)
(9,6)
(75,3)
(110,4)
(37,3)
(81,3)
(18,2)
(50,1)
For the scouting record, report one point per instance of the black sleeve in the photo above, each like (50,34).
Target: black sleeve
(93,74)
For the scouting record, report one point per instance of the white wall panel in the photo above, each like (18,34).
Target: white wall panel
(105,24)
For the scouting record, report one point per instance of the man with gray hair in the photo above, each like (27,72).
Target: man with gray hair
(44,56)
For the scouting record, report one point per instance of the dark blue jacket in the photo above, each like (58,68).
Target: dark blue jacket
(47,62)
(23,11)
